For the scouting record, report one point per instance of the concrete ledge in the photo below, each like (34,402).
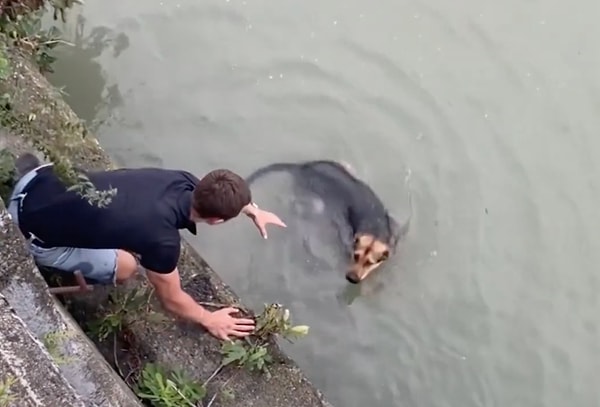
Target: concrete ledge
(29,376)
(170,343)
(76,356)
(191,348)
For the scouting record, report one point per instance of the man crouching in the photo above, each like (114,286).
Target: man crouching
(65,232)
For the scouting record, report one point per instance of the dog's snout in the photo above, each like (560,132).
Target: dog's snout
(356,257)
(352,278)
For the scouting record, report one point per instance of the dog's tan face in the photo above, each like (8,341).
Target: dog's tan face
(369,253)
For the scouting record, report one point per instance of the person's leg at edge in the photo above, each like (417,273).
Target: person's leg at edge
(105,266)
(127,266)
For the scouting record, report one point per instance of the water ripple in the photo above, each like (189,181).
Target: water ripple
(492,300)
(307,70)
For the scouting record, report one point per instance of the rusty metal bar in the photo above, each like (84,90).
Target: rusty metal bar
(81,287)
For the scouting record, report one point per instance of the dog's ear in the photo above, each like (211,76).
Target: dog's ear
(398,230)
(380,251)
(394,231)
(362,241)
(384,255)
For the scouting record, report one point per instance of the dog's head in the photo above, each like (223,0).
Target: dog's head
(368,253)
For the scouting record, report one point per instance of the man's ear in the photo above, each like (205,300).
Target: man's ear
(214,221)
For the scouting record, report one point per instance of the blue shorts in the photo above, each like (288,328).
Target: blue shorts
(99,265)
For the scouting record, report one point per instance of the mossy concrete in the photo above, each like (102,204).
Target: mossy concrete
(28,375)
(78,360)
(171,343)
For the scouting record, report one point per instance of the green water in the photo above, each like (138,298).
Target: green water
(493,300)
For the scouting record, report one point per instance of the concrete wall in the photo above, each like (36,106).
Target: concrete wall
(41,344)
(28,375)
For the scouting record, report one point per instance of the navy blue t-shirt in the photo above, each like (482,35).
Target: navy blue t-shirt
(150,207)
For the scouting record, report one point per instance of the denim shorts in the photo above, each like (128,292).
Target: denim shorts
(98,265)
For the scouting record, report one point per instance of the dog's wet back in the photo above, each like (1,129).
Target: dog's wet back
(373,231)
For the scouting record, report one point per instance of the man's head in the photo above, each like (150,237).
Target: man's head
(219,196)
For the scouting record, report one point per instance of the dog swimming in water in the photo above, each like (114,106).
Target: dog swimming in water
(373,232)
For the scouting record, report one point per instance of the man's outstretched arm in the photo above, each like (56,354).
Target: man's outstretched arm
(172,297)
(262,218)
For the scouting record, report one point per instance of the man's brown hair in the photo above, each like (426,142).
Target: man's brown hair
(221,194)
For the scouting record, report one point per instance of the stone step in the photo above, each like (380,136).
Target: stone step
(78,360)
(28,375)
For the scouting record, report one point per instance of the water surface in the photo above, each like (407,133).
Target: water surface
(493,107)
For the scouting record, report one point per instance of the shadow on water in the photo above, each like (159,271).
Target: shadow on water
(94,99)
(89,90)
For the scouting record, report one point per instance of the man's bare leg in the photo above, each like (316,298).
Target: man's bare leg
(127,266)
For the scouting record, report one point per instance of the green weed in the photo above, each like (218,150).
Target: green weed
(6,397)
(252,353)
(121,307)
(168,389)
(53,342)
(21,31)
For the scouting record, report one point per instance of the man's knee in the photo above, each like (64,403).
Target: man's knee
(127,266)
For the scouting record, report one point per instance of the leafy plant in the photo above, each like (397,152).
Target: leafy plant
(25,31)
(275,320)
(252,357)
(86,189)
(4,64)
(252,353)
(6,397)
(168,389)
(21,28)
(7,173)
(53,342)
(121,306)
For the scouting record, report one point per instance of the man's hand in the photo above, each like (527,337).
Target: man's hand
(262,218)
(222,325)
(219,323)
